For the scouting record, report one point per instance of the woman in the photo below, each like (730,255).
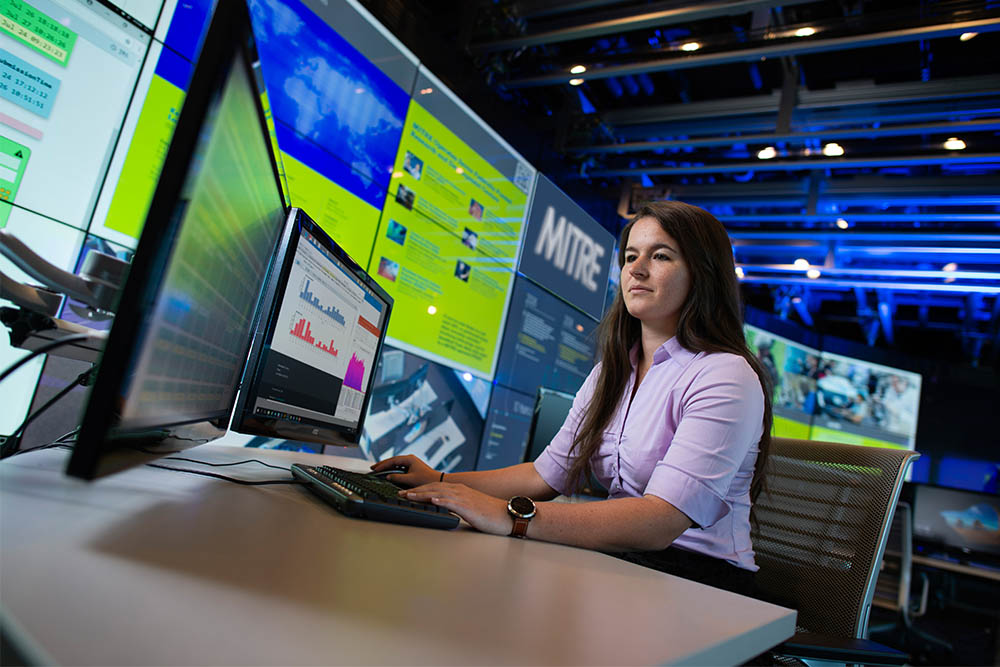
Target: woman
(675,421)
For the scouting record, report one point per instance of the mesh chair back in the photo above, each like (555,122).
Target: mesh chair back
(892,589)
(821,525)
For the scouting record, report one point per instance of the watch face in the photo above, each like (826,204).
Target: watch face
(522,506)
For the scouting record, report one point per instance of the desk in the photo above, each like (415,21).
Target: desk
(961,568)
(154,567)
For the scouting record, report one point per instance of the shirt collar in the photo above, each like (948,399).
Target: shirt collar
(672,349)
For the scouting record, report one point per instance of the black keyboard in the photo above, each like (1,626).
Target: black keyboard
(359,495)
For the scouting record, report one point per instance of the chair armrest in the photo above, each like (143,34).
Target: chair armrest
(840,649)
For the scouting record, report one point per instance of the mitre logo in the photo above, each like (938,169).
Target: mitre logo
(569,249)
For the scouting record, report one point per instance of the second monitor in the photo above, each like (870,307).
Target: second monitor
(310,371)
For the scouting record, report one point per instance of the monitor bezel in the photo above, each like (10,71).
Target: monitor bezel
(102,446)
(244,419)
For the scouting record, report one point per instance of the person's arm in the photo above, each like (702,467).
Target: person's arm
(624,524)
(516,480)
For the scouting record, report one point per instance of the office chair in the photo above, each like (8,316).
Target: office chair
(821,524)
(893,588)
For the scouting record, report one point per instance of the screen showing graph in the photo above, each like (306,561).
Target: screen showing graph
(320,345)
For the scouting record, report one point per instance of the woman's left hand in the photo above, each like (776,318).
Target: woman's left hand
(482,511)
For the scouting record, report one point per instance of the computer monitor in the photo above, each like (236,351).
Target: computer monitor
(177,349)
(551,409)
(962,524)
(313,359)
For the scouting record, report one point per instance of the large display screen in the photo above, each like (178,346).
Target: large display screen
(547,343)
(862,403)
(450,229)
(67,72)
(427,409)
(338,120)
(794,369)
(836,398)
(508,425)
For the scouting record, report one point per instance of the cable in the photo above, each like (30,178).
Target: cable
(228,479)
(42,350)
(222,465)
(13,442)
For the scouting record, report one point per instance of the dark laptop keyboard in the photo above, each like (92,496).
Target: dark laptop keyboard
(360,495)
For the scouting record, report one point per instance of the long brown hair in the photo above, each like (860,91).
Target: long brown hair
(711,320)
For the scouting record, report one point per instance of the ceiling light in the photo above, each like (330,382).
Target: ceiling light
(690,46)
(426,91)
(833,149)
(397,174)
(766,153)
(579,327)
(801,263)
(577,69)
(950,266)
(813,274)
(431,310)
(954,144)
(843,224)
(966,36)
(467,376)
(805,32)
(739,272)
(459,170)
(575,82)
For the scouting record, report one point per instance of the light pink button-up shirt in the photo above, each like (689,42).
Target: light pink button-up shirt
(690,437)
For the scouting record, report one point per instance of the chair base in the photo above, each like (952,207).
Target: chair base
(813,646)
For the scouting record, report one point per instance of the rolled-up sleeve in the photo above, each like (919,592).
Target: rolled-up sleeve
(555,460)
(720,423)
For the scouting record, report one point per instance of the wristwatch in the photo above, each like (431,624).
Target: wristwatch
(521,509)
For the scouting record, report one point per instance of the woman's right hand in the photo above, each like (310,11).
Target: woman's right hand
(417,472)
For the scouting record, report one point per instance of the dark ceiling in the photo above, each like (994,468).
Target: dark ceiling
(899,234)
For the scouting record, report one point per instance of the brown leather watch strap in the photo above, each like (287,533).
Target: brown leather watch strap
(520,527)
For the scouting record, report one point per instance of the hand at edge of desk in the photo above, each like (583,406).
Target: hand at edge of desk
(484,512)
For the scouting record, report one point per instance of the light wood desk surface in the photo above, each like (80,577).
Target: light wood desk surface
(155,567)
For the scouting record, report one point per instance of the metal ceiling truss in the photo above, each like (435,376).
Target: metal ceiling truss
(655,16)
(790,48)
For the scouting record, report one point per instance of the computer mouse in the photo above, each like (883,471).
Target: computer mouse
(394,470)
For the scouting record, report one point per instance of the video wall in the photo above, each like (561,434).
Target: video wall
(391,163)
(820,395)
(89,96)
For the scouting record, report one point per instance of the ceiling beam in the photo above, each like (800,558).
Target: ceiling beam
(849,94)
(864,217)
(665,14)
(986,124)
(537,8)
(866,237)
(852,284)
(882,273)
(800,165)
(797,47)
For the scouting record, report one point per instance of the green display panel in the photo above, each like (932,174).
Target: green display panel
(13,160)
(347,218)
(438,177)
(145,156)
(834,435)
(37,30)
(446,245)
